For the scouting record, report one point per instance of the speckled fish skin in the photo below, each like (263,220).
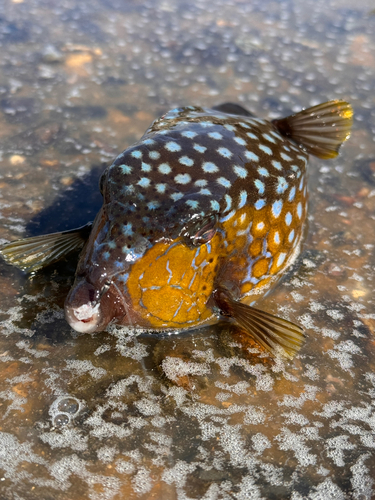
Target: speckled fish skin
(236,174)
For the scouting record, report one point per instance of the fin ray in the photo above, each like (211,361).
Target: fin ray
(321,130)
(31,254)
(276,335)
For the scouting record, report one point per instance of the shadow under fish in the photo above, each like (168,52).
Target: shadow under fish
(200,218)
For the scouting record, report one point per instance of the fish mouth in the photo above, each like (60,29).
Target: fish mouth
(82,311)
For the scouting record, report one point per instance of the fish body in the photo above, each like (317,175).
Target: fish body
(199,219)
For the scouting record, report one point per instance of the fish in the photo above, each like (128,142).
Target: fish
(200,218)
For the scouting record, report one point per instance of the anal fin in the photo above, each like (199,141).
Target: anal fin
(31,254)
(276,335)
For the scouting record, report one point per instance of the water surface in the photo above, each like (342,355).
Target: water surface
(204,414)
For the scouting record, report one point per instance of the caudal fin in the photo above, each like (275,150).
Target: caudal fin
(31,254)
(321,130)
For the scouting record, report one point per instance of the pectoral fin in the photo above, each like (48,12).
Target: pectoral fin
(31,254)
(275,334)
(321,130)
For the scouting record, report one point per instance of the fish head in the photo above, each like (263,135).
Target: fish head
(153,252)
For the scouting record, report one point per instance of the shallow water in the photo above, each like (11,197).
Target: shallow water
(205,414)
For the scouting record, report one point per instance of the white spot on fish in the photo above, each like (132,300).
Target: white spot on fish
(215,135)
(276,208)
(182,178)
(144,182)
(243,199)
(225,152)
(224,182)
(266,149)
(280,259)
(172,146)
(240,171)
(185,160)
(154,155)
(164,168)
(199,148)
(251,156)
(209,167)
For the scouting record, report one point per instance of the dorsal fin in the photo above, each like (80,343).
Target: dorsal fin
(232,109)
(321,130)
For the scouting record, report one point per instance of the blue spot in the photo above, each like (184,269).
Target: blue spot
(252,136)
(277,207)
(230,127)
(285,157)
(188,134)
(136,154)
(205,191)
(146,167)
(126,169)
(200,149)
(172,146)
(240,171)
(209,167)
(144,182)
(215,135)
(259,185)
(224,182)
(185,160)
(281,259)
(292,194)
(259,204)
(182,178)
(123,277)
(206,124)
(215,205)
(176,196)
(269,138)
(277,165)
(263,171)
(192,203)
(244,125)
(300,184)
(227,217)
(299,210)
(164,168)
(127,229)
(225,152)
(282,185)
(149,142)
(112,244)
(251,156)
(240,141)
(276,238)
(154,155)
(200,182)
(243,199)
(295,168)
(266,149)
(291,236)
(228,199)
(288,219)
(260,226)
(161,188)
(152,205)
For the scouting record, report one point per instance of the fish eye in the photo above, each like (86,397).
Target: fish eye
(199,232)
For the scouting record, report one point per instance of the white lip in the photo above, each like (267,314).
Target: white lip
(83,319)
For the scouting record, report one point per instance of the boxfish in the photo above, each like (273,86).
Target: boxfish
(200,218)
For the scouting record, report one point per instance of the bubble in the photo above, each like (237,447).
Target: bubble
(61,419)
(68,405)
